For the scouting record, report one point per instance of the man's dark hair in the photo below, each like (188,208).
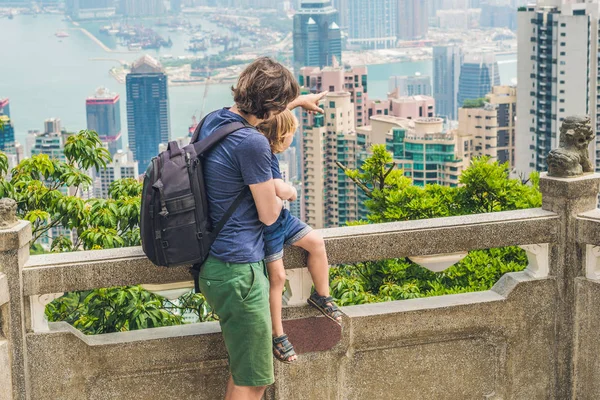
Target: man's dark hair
(265,86)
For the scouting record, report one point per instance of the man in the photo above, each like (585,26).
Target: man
(234,278)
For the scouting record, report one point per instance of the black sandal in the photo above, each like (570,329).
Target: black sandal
(283,349)
(330,310)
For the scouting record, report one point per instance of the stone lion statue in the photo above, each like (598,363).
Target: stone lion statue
(572,158)
(8,213)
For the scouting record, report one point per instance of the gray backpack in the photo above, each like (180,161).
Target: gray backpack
(174,225)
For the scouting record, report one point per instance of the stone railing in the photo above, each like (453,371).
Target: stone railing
(533,336)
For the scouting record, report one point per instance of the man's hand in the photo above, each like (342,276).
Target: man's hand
(310,102)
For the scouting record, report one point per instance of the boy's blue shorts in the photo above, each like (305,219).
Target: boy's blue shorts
(287,230)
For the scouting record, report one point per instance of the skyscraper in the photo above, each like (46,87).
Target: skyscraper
(330,197)
(4,107)
(7,135)
(339,79)
(142,8)
(410,85)
(446,72)
(372,24)
(412,21)
(51,142)
(478,74)
(421,148)
(317,36)
(104,117)
(147,109)
(121,167)
(88,9)
(505,100)
(557,74)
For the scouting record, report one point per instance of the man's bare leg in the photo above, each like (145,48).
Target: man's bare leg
(235,392)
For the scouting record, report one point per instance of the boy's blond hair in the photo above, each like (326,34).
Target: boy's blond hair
(277,128)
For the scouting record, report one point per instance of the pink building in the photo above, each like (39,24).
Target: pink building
(340,79)
(410,107)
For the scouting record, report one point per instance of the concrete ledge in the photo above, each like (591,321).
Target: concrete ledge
(205,328)
(55,273)
(5,378)
(3,289)
(16,237)
(588,228)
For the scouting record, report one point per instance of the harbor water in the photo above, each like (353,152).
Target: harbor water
(46,76)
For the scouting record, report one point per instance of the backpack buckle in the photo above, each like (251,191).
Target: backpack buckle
(164,244)
(199,235)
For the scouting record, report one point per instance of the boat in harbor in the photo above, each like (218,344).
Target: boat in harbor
(61,34)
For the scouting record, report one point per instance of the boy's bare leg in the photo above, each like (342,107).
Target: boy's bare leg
(318,266)
(235,392)
(277,280)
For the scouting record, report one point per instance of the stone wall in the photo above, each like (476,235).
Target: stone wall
(533,336)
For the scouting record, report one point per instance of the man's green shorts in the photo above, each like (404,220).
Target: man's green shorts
(239,295)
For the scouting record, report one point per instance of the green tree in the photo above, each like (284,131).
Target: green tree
(485,187)
(46,191)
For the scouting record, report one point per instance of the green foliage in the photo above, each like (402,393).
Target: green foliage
(122,309)
(46,190)
(474,103)
(485,187)
(401,279)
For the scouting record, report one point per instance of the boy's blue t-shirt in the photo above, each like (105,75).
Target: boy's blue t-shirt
(275,167)
(243,158)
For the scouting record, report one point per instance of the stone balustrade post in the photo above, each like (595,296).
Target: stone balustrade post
(567,197)
(15,236)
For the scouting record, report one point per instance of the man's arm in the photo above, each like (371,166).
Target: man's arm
(267,203)
(310,102)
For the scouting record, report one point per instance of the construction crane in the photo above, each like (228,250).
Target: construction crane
(201,115)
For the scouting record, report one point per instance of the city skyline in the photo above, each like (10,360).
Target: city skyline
(328,35)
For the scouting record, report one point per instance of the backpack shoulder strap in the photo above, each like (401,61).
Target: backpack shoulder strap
(209,142)
(196,134)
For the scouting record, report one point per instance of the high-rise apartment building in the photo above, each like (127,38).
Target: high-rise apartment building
(104,117)
(372,24)
(52,125)
(142,8)
(412,20)
(51,142)
(478,74)
(339,79)
(504,98)
(147,109)
(7,135)
(421,148)
(410,85)
(498,16)
(176,6)
(317,35)
(330,197)
(481,123)
(90,9)
(122,167)
(4,107)
(557,75)
(446,72)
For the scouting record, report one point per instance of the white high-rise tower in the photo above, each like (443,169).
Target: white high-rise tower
(557,76)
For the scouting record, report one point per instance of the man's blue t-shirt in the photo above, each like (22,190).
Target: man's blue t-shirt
(243,158)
